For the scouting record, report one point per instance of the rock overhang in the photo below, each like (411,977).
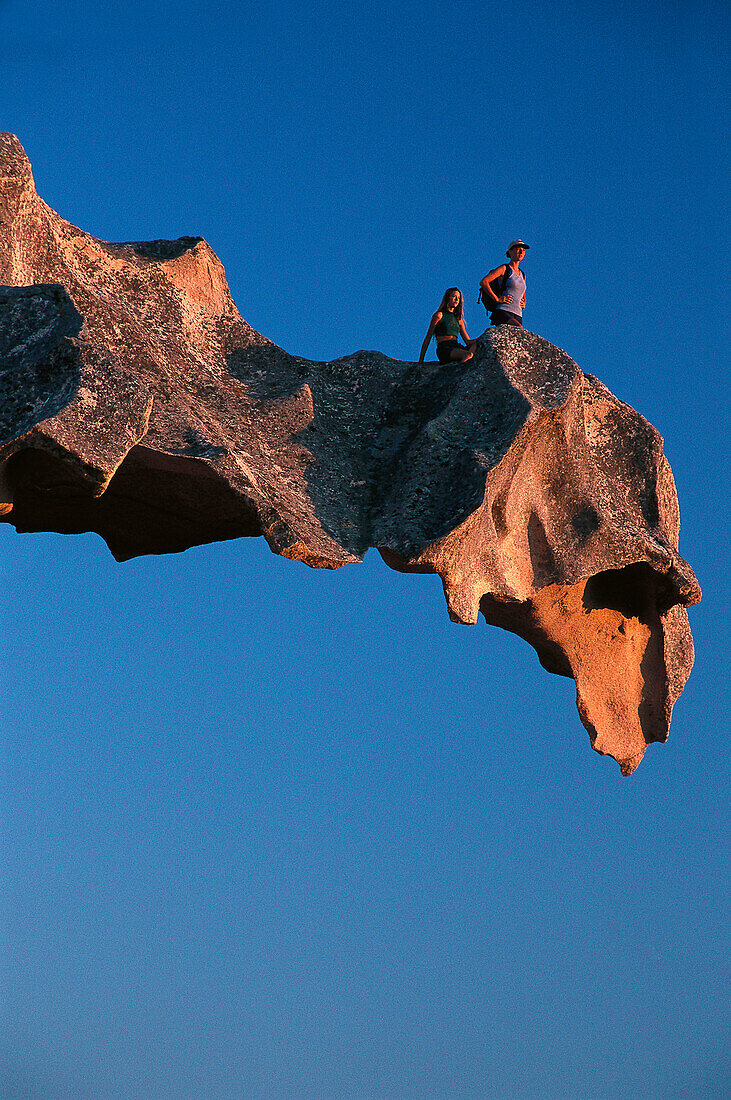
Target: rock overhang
(139,404)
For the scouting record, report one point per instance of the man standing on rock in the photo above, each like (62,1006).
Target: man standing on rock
(507,305)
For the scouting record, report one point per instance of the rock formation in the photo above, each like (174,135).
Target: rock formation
(137,403)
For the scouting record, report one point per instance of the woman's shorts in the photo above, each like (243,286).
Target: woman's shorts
(445,349)
(502,317)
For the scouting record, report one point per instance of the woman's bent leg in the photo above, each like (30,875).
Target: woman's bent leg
(461,355)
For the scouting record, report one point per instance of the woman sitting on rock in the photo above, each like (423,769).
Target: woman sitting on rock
(446,326)
(506,307)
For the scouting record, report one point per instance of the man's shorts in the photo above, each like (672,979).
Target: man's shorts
(502,317)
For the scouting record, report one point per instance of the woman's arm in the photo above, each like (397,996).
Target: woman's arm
(463,330)
(496,273)
(434,322)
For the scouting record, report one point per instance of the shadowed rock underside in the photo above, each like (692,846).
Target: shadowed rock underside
(136,402)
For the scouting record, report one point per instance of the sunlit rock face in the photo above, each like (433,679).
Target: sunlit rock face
(137,403)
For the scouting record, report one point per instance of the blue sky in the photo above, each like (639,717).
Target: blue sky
(278,833)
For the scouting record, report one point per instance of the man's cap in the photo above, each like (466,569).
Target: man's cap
(517,244)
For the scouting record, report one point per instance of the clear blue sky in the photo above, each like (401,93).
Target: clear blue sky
(280,834)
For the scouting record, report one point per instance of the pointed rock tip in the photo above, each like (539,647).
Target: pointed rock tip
(14,163)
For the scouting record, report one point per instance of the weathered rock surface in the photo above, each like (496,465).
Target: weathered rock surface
(136,402)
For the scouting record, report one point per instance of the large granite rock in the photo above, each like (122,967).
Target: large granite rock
(137,403)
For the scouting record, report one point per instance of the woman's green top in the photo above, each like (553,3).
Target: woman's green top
(448,326)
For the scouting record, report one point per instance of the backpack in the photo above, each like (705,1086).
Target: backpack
(498,288)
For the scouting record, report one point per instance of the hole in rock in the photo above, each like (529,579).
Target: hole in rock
(636,591)
(585,522)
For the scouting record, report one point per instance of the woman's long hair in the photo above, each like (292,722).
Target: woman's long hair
(444,304)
